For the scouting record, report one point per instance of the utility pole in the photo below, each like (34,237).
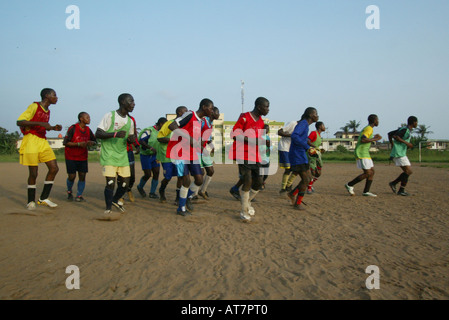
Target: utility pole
(243,95)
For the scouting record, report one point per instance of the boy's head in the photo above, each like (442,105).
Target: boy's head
(215,114)
(310,113)
(320,126)
(84,117)
(262,105)
(160,123)
(49,95)
(412,121)
(207,106)
(180,111)
(125,100)
(373,119)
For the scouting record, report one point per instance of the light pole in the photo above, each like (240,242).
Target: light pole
(243,94)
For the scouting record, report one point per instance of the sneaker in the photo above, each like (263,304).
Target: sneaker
(131,196)
(289,189)
(350,190)
(235,194)
(69,196)
(369,194)
(108,215)
(403,193)
(189,204)
(245,216)
(141,191)
(31,206)
(311,191)
(162,197)
(300,207)
(119,205)
(47,203)
(203,194)
(182,213)
(393,187)
(153,196)
(79,199)
(283,191)
(292,198)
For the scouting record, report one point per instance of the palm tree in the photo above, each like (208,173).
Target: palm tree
(422,130)
(345,129)
(353,125)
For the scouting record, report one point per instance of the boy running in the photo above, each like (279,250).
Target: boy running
(207,148)
(34,124)
(248,136)
(115,130)
(298,156)
(169,168)
(148,160)
(315,161)
(188,149)
(77,140)
(400,141)
(363,157)
(284,162)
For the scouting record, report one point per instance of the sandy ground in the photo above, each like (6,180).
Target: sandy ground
(152,253)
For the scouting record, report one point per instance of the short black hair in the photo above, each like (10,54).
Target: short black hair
(206,102)
(81,114)
(372,117)
(121,98)
(411,120)
(307,113)
(178,110)
(161,121)
(45,92)
(318,124)
(259,101)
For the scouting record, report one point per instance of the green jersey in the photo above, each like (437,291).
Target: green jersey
(399,148)
(113,151)
(362,149)
(165,132)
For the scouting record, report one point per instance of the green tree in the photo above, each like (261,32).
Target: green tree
(8,141)
(422,130)
(345,129)
(353,125)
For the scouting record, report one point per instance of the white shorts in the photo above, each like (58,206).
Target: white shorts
(402,162)
(365,164)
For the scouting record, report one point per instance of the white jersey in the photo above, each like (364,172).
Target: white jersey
(120,122)
(284,142)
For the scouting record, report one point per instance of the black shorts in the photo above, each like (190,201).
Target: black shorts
(300,167)
(73,166)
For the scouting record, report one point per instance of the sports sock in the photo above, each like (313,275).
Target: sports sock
(47,189)
(121,190)
(252,194)
(299,198)
(70,185)
(354,182)
(367,185)
(143,182)
(193,190)
(404,179)
(178,191)
(285,180)
(311,183)
(31,193)
(244,195)
(154,184)
(206,182)
(183,194)
(290,180)
(108,195)
(81,186)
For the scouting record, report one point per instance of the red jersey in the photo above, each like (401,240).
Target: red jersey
(129,147)
(40,115)
(179,148)
(77,134)
(246,126)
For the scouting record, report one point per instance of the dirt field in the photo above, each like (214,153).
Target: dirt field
(152,253)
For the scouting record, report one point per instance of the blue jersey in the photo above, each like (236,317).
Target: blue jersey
(299,145)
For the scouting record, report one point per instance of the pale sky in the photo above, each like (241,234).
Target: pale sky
(296,53)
